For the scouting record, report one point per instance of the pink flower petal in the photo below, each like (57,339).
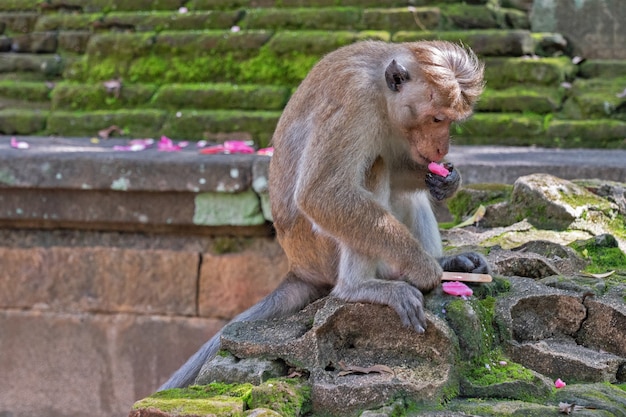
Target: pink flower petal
(438,169)
(238,146)
(167,145)
(457,288)
(19,144)
(266,151)
(559,383)
(212,150)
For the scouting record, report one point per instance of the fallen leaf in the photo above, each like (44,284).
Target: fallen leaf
(353,369)
(601,276)
(113,86)
(474,218)
(106,133)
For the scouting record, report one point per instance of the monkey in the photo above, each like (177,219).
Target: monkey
(350,191)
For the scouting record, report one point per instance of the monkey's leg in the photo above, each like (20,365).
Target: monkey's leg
(290,296)
(357,282)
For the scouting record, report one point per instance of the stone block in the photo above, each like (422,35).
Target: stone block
(38,43)
(22,122)
(232,282)
(423,18)
(237,209)
(98,365)
(597,28)
(99,279)
(20,22)
(73,41)
(303,18)
(137,123)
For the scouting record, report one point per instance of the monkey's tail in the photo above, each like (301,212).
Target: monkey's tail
(290,296)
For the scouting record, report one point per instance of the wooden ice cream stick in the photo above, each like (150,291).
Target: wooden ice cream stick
(465,277)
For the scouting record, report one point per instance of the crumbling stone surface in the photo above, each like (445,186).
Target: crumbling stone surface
(328,337)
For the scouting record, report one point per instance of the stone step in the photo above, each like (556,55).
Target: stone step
(567,360)
(535,99)
(515,129)
(597,98)
(76,96)
(140,123)
(504,72)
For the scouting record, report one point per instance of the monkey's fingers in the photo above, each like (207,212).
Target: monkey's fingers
(410,309)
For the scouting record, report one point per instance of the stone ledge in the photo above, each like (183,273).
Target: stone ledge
(76,183)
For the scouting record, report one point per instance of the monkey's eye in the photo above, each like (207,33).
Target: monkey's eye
(438,119)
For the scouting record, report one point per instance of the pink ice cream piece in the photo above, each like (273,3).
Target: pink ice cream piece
(438,169)
(559,384)
(457,288)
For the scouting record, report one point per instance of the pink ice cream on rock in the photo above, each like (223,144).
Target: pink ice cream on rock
(457,288)
(438,169)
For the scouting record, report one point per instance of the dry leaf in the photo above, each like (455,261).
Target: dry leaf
(475,218)
(601,276)
(113,87)
(106,133)
(353,369)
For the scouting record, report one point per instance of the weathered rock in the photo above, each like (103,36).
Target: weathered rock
(228,369)
(545,325)
(328,336)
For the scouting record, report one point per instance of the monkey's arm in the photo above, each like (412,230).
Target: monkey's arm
(332,195)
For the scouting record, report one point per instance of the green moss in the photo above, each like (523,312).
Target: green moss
(504,72)
(540,100)
(216,398)
(197,124)
(268,68)
(509,128)
(462,16)
(470,197)
(395,19)
(603,252)
(22,122)
(336,18)
(29,91)
(136,123)
(492,372)
(19,5)
(597,133)
(288,397)
(74,96)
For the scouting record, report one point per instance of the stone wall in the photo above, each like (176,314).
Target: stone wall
(595,28)
(106,289)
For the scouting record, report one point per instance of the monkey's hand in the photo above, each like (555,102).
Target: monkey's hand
(465,262)
(443,187)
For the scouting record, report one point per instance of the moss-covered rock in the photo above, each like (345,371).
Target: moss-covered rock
(221,96)
(535,99)
(73,96)
(503,72)
(588,133)
(509,128)
(336,18)
(22,122)
(134,123)
(603,68)
(193,124)
(466,16)
(19,5)
(488,42)
(596,98)
(67,21)
(27,91)
(393,20)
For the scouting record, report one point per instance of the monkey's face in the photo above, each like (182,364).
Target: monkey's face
(424,125)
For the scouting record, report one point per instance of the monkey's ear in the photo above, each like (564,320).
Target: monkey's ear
(395,74)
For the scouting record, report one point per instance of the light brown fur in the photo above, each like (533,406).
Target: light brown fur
(349,184)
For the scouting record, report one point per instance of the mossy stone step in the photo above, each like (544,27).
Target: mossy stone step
(251,4)
(535,99)
(139,123)
(139,21)
(22,121)
(597,98)
(604,68)
(96,96)
(504,72)
(490,42)
(48,65)
(221,96)
(517,129)
(18,23)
